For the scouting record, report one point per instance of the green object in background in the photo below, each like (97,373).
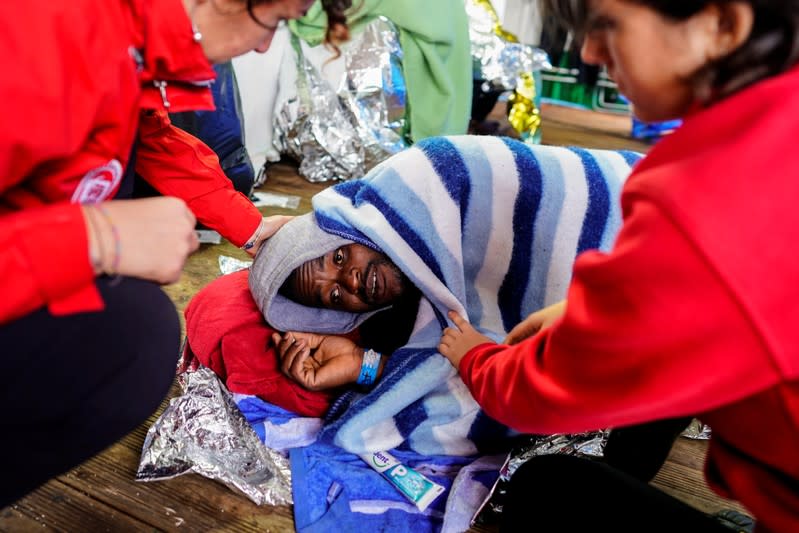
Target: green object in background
(561,85)
(437,59)
(564,84)
(607,97)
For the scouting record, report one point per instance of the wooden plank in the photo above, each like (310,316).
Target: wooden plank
(591,122)
(61,507)
(103,489)
(282,178)
(690,453)
(682,477)
(563,126)
(12,518)
(189,501)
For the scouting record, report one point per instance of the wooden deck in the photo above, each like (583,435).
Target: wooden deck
(101,495)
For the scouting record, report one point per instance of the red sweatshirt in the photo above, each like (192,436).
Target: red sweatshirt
(79,84)
(693,312)
(227,333)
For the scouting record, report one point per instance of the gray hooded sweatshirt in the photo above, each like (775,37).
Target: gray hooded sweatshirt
(300,240)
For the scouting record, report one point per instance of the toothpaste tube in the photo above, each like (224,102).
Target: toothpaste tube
(416,487)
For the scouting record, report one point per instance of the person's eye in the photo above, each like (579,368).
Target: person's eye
(335,296)
(338,257)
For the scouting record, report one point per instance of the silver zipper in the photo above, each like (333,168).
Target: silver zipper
(161,86)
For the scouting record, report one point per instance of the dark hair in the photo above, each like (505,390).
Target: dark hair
(771,48)
(337,30)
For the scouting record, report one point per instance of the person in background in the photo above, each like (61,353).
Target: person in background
(222,129)
(89,341)
(693,312)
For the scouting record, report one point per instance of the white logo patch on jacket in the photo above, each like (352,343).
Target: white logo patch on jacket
(98,184)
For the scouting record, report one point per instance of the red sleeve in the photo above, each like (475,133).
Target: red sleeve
(45,261)
(178,164)
(649,332)
(48,114)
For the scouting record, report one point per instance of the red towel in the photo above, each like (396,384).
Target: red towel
(228,334)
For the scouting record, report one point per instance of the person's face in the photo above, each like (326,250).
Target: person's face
(229,30)
(351,278)
(652,58)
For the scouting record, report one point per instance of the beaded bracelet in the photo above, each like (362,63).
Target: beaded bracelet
(96,259)
(117,242)
(371,361)
(251,243)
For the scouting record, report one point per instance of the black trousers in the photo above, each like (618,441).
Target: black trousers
(74,385)
(567,493)
(641,450)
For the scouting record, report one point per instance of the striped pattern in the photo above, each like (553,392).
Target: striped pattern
(483,225)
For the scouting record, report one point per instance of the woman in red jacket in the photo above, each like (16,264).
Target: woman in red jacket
(88,339)
(694,311)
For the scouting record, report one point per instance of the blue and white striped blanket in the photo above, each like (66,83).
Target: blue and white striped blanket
(486,226)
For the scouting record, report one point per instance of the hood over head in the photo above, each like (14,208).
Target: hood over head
(300,240)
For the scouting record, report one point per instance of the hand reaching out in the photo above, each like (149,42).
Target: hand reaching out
(267,228)
(318,362)
(535,322)
(455,342)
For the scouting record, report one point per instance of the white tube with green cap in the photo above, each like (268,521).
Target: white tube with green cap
(415,486)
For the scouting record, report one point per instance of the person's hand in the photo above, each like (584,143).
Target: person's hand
(148,238)
(318,362)
(535,322)
(267,228)
(457,341)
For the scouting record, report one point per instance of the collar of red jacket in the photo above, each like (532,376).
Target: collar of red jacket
(174,72)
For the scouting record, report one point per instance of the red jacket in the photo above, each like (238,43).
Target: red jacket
(227,333)
(78,90)
(693,312)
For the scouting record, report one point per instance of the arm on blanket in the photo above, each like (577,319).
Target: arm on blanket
(319,362)
(535,322)
(457,341)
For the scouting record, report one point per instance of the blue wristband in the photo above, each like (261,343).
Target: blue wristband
(371,360)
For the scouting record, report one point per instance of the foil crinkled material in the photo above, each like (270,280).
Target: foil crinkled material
(340,136)
(313,128)
(505,64)
(590,444)
(204,432)
(228,265)
(524,113)
(697,430)
(373,90)
(497,56)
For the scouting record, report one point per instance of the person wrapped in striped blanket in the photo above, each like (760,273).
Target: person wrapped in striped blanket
(487,226)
